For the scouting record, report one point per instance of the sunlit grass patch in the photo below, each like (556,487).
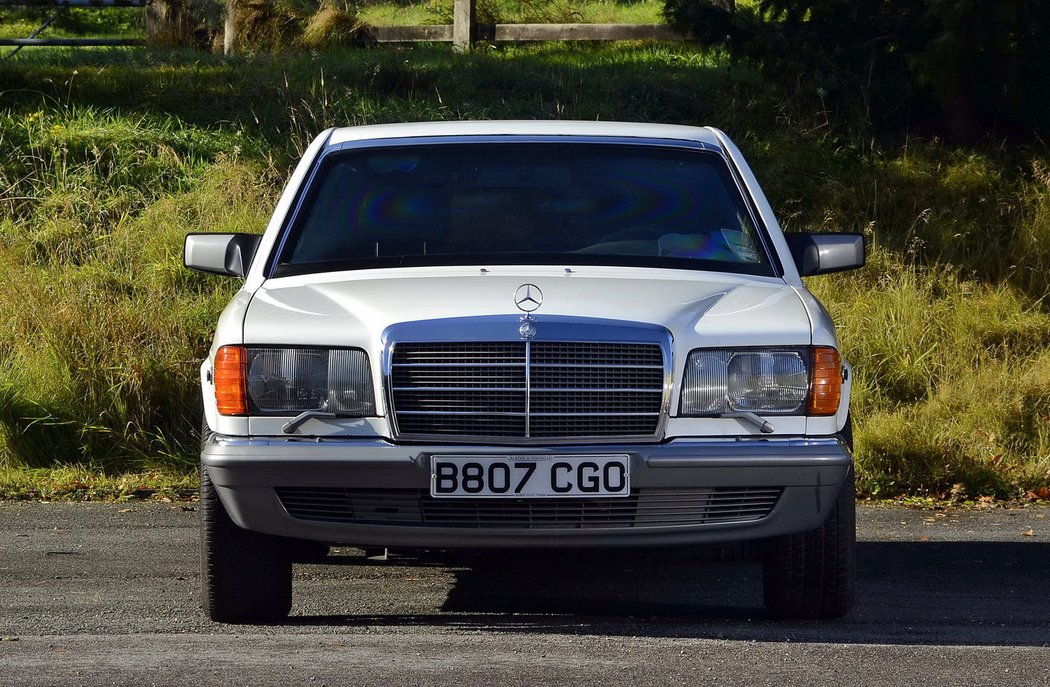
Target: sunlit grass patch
(101,354)
(84,483)
(952,382)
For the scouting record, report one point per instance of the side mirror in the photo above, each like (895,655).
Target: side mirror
(826,253)
(229,254)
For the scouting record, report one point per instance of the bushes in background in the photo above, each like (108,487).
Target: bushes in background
(958,66)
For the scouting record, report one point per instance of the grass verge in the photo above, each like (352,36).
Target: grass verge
(113,156)
(80,483)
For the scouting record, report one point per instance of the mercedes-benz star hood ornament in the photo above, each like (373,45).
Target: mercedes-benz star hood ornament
(528,298)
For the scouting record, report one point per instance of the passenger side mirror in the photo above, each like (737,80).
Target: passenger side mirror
(826,253)
(229,254)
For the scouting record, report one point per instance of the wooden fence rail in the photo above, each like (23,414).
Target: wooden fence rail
(524,32)
(465,31)
(60,6)
(72,3)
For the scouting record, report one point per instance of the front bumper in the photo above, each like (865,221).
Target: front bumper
(253,474)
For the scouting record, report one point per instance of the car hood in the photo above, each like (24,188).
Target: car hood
(355,308)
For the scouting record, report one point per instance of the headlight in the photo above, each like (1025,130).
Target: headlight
(767,382)
(286,381)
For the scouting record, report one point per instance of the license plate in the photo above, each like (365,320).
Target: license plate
(529,476)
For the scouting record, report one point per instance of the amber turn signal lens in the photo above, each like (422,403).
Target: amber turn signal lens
(827,382)
(231,385)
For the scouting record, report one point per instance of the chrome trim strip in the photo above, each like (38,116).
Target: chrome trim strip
(457,364)
(501,413)
(528,387)
(618,366)
(544,390)
(565,366)
(507,413)
(541,414)
(745,447)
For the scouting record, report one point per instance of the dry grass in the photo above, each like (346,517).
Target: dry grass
(101,333)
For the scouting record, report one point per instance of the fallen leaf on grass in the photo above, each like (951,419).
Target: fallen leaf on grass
(1028,533)
(126,510)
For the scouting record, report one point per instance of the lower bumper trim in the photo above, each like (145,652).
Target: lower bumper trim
(644,508)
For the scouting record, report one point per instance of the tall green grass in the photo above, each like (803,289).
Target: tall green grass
(111,157)
(103,326)
(952,381)
(117,22)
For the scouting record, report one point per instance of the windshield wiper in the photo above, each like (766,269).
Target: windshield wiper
(299,419)
(764,426)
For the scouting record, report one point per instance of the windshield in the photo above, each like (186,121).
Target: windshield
(523,203)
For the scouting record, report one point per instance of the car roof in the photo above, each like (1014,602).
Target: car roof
(525,128)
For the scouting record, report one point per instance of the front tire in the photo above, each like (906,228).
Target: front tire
(246,577)
(810,576)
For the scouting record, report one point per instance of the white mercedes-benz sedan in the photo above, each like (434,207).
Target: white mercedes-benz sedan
(524,334)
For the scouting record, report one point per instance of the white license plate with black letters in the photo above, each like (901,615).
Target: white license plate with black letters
(529,476)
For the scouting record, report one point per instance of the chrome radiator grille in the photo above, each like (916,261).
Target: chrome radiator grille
(523,390)
(644,508)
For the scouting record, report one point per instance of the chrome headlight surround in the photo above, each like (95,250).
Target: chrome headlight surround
(765,381)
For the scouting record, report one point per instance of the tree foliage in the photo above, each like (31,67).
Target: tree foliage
(960,66)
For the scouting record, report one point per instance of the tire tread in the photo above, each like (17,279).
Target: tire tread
(811,575)
(246,577)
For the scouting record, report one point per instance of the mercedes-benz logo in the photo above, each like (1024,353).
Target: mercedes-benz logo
(528,297)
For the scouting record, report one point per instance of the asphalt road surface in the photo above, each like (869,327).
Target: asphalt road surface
(106,594)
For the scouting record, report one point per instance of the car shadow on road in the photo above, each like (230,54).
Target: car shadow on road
(944,593)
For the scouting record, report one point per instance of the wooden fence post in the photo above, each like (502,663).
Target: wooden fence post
(229,31)
(463,25)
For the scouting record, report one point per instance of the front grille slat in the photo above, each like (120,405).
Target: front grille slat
(643,508)
(566,390)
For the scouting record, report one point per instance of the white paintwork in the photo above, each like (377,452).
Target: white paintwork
(206,250)
(701,309)
(525,128)
(353,308)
